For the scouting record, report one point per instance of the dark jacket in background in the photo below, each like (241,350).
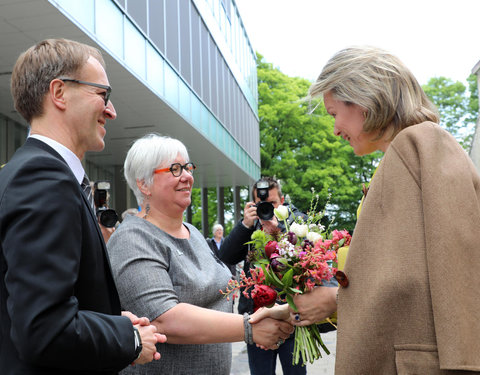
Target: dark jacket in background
(213,245)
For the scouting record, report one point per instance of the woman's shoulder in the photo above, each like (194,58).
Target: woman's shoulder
(420,131)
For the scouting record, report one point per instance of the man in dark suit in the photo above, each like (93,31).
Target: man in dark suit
(59,308)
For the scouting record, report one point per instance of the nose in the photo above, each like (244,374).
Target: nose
(185,176)
(110,112)
(336,131)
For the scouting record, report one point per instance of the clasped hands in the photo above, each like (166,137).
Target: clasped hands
(150,337)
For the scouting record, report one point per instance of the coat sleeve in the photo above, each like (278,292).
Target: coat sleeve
(233,249)
(41,241)
(450,189)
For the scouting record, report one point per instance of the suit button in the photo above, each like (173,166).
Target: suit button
(342,278)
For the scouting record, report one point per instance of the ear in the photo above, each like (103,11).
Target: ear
(142,186)
(56,93)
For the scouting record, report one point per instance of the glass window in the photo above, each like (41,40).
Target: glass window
(81,11)
(138,11)
(155,70)
(185,45)
(172,47)
(205,65)
(134,49)
(156,27)
(171,86)
(184,97)
(196,55)
(109,33)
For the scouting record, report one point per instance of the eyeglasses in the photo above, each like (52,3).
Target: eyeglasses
(177,168)
(106,94)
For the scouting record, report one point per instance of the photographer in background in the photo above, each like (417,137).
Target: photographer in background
(258,214)
(107,218)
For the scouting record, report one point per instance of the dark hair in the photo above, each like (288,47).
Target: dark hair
(272,184)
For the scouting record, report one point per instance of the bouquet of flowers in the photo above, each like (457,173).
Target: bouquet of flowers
(291,263)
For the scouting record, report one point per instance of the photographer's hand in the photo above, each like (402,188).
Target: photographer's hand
(106,232)
(270,226)
(249,214)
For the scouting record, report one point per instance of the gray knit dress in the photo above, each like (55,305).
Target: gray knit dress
(153,272)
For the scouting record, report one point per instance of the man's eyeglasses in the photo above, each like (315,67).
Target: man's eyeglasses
(106,94)
(177,168)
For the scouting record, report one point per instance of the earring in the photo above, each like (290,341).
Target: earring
(147,208)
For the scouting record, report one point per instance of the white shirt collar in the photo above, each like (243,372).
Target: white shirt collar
(72,160)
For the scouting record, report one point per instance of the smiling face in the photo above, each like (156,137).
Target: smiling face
(170,194)
(349,119)
(87,113)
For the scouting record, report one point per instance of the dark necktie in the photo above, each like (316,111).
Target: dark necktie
(87,190)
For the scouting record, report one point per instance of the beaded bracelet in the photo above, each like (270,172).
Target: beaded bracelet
(248,329)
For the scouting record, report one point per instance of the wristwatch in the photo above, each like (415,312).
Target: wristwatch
(138,343)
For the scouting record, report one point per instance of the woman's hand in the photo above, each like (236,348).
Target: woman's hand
(314,306)
(279,312)
(268,332)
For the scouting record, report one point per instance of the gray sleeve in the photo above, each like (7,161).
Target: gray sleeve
(140,263)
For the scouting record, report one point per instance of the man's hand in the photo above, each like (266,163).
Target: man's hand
(135,319)
(149,339)
(249,214)
(270,226)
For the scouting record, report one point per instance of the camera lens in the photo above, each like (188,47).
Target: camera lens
(107,217)
(265,210)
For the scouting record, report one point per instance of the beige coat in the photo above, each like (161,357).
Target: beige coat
(412,305)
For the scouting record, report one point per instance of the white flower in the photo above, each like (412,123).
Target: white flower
(281,212)
(313,237)
(299,229)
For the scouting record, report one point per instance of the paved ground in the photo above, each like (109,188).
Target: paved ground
(323,366)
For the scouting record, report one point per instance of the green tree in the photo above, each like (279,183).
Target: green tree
(300,149)
(458,107)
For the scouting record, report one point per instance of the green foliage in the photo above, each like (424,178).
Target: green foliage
(212,209)
(300,149)
(458,107)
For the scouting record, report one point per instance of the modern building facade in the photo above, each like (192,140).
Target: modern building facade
(183,68)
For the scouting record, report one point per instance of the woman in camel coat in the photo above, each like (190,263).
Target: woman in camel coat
(409,301)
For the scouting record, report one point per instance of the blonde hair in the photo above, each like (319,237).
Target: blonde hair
(379,82)
(39,65)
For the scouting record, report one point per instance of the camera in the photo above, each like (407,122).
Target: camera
(264,209)
(106,216)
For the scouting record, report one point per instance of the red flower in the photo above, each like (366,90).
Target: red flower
(263,295)
(271,248)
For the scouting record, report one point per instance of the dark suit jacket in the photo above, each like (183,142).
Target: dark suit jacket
(59,308)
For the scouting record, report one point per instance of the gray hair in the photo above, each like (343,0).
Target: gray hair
(378,81)
(145,155)
(216,227)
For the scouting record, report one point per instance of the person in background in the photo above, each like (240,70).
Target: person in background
(216,241)
(60,311)
(129,211)
(164,269)
(234,250)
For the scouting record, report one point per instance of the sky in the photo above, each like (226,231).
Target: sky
(432,37)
